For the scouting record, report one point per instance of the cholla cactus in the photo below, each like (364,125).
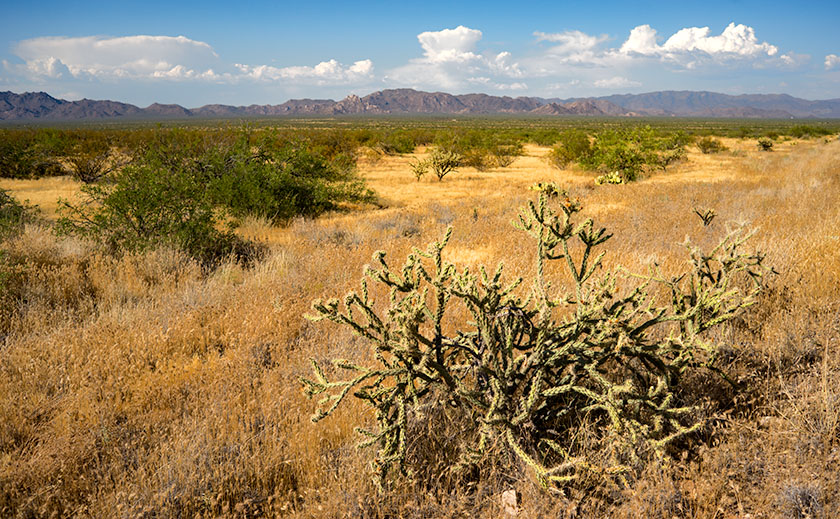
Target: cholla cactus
(419,168)
(443,161)
(529,371)
(765,144)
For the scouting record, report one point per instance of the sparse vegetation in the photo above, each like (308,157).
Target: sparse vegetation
(708,145)
(765,144)
(441,162)
(529,373)
(145,384)
(572,146)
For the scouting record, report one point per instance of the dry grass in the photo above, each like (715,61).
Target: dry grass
(139,387)
(44,192)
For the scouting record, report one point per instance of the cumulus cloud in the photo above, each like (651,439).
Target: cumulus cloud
(832,61)
(616,82)
(692,43)
(451,60)
(326,72)
(170,58)
(124,57)
(449,45)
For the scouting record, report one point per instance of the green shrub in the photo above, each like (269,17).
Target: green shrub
(505,154)
(148,205)
(183,185)
(396,143)
(615,152)
(93,158)
(576,384)
(284,183)
(572,146)
(23,154)
(801,131)
(708,145)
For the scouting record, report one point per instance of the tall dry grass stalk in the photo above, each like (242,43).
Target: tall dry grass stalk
(141,387)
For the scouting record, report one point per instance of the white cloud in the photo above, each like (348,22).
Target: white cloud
(449,45)
(451,61)
(832,61)
(691,44)
(616,82)
(162,58)
(326,72)
(123,57)
(571,42)
(642,40)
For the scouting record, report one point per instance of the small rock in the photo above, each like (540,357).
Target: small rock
(510,503)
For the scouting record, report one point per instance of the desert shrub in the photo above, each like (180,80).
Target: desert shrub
(94,157)
(630,152)
(13,215)
(542,136)
(614,154)
(396,143)
(284,183)
(577,385)
(708,145)
(765,144)
(666,157)
(572,146)
(801,131)
(148,205)
(505,154)
(24,154)
(480,149)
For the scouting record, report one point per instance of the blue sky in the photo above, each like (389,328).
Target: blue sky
(195,53)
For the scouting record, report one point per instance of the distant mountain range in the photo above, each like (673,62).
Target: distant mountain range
(42,106)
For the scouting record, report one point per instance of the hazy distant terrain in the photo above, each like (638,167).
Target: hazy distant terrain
(40,105)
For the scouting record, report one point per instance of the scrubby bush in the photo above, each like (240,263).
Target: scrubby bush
(147,206)
(572,146)
(396,143)
(13,214)
(286,182)
(25,154)
(626,153)
(765,144)
(480,149)
(708,145)
(619,152)
(184,186)
(94,157)
(579,385)
(801,131)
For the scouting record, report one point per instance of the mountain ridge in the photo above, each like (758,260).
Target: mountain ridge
(42,106)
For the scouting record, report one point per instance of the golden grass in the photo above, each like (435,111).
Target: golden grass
(140,387)
(44,193)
